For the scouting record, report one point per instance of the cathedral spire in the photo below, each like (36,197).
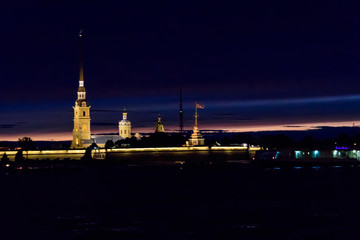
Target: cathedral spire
(81,130)
(81,90)
(81,64)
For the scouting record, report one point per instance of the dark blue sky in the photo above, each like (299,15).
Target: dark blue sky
(252,63)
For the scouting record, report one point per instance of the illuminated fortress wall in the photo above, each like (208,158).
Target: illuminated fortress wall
(47,154)
(165,154)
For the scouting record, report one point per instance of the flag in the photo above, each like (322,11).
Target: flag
(200,106)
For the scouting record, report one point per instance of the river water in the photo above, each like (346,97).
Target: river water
(238,201)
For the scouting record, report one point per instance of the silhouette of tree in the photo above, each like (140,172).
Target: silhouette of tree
(134,142)
(93,146)
(26,143)
(5,159)
(109,144)
(118,143)
(87,156)
(19,157)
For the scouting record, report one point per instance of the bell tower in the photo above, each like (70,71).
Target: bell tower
(125,127)
(81,131)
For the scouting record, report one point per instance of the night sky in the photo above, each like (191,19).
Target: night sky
(255,65)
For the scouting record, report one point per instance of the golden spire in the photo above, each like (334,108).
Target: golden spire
(81,90)
(81,64)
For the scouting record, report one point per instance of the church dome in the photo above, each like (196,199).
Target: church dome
(124,121)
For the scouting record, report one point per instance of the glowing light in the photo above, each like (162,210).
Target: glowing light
(316,154)
(342,148)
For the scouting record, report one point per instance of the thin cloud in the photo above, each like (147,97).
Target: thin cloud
(7,125)
(11,125)
(285,101)
(106,110)
(103,123)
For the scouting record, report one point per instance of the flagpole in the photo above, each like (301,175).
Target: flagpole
(196,115)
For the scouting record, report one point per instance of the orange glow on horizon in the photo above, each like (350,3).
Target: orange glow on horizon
(279,127)
(67,136)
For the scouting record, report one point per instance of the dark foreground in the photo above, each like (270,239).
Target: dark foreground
(236,201)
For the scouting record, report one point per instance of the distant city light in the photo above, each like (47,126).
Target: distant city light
(342,148)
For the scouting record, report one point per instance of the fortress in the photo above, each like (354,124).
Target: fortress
(82,137)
